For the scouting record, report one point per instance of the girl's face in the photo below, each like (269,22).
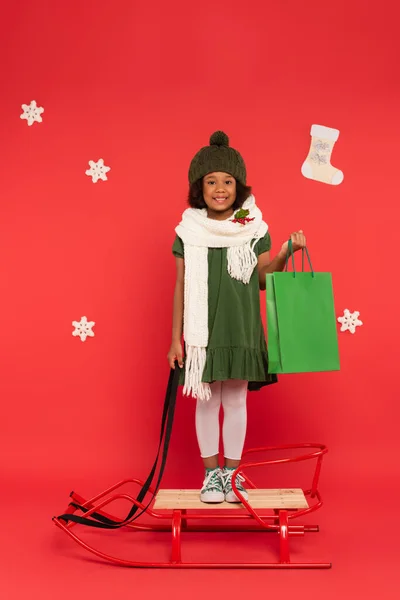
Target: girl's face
(219,193)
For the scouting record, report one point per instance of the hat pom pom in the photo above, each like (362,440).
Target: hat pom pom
(219,138)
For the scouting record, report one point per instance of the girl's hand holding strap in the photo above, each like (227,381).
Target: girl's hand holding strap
(175,354)
(298,243)
(266,265)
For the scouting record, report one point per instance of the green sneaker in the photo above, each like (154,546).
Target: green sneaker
(230,495)
(212,490)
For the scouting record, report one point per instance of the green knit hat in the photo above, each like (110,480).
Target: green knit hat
(218,156)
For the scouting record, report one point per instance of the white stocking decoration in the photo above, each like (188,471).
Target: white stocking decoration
(317,165)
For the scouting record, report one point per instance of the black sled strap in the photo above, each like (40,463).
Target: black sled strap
(97,520)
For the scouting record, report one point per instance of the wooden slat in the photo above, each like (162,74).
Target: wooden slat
(259,498)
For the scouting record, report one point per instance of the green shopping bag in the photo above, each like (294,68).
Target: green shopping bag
(301,322)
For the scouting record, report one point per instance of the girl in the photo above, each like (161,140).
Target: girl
(222,257)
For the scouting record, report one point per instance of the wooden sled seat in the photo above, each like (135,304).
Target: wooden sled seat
(293,498)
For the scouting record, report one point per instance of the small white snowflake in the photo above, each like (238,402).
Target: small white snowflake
(97,170)
(350,321)
(32,112)
(83,328)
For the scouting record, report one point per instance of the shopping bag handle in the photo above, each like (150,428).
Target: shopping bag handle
(303,252)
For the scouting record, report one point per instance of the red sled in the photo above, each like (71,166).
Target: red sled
(182,508)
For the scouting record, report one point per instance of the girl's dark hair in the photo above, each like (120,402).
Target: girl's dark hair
(196,200)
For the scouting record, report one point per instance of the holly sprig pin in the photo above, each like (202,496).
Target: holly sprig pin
(242,216)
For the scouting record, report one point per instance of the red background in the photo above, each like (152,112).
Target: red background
(143,85)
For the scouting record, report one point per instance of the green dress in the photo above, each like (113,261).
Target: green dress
(236,341)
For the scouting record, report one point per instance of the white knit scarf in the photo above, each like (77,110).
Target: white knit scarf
(199,233)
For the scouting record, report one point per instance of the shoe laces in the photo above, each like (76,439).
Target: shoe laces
(212,480)
(227,480)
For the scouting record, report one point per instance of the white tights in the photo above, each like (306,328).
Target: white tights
(232,395)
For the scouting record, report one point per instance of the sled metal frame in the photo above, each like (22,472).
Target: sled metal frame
(244,519)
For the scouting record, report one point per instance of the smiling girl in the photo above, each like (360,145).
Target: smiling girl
(222,252)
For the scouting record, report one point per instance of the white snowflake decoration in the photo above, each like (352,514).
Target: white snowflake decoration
(97,170)
(83,328)
(32,112)
(350,321)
